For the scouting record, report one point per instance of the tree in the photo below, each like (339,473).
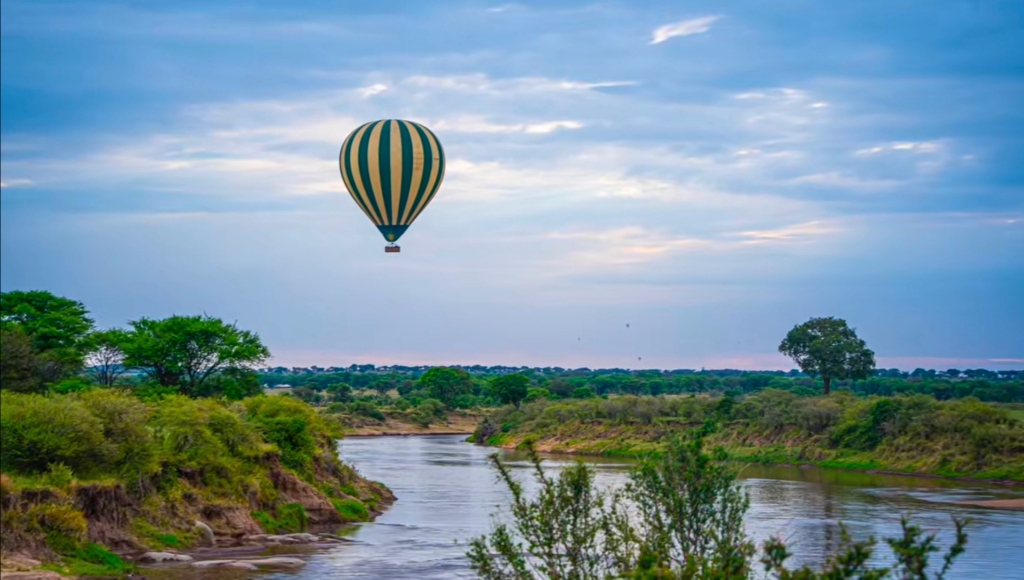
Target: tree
(382,386)
(510,389)
(19,367)
(340,392)
(445,384)
(234,384)
(185,351)
(56,327)
(827,347)
(106,356)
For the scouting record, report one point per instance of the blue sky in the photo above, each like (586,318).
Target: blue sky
(710,173)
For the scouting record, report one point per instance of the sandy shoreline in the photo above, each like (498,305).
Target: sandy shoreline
(1000,504)
(455,424)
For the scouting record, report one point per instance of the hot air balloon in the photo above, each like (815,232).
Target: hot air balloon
(392,169)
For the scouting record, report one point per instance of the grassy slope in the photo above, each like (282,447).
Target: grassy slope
(87,473)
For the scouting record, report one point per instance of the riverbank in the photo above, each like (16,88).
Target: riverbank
(93,479)
(454,423)
(917,435)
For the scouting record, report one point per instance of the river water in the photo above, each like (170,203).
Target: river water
(447,491)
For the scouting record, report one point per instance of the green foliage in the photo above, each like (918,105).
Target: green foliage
(54,324)
(427,412)
(21,370)
(233,383)
(909,433)
(39,431)
(828,348)
(352,510)
(1004,386)
(445,384)
(912,550)
(290,518)
(63,527)
(535,393)
(93,559)
(76,385)
(186,351)
(293,426)
(340,392)
(690,510)
(679,517)
(583,393)
(366,409)
(205,438)
(171,450)
(510,389)
(156,538)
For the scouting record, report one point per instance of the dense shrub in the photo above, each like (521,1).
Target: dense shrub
(38,431)
(293,426)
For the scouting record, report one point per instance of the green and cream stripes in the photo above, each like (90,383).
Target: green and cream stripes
(392,169)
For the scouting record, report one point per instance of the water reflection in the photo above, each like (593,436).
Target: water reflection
(447,492)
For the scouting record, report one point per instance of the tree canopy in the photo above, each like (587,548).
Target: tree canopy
(829,348)
(510,389)
(186,351)
(445,384)
(52,322)
(56,330)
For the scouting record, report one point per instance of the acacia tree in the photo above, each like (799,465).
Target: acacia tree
(829,348)
(510,389)
(186,351)
(106,355)
(445,384)
(56,327)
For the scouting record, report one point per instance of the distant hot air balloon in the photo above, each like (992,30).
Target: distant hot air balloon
(392,169)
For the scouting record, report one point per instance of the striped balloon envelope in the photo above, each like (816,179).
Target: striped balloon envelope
(392,169)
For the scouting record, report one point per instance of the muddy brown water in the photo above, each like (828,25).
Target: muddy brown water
(447,492)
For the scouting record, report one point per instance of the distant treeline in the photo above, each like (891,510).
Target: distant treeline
(554,382)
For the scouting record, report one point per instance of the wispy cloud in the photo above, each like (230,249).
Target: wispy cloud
(374,89)
(482,125)
(485,83)
(840,180)
(905,146)
(804,231)
(9,183)
(684,28)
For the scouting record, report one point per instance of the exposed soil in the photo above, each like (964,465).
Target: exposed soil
(1002,504)
(455,424)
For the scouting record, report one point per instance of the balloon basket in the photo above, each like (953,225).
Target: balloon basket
(392,249)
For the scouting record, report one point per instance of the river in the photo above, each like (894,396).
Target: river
(447,492)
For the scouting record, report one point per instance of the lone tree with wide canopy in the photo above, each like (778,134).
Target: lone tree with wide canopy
(829,348)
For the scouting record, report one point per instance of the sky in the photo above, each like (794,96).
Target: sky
(709,173)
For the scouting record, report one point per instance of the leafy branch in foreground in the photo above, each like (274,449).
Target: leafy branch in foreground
(680,516)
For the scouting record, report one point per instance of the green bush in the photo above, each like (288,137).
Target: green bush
(290,518)
(37,431)
(366,409)
(293,426)
(352,510)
